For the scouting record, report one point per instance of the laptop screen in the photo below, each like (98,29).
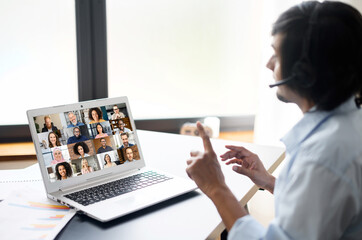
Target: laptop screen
(84,141)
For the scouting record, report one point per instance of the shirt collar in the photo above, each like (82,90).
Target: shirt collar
(310,121)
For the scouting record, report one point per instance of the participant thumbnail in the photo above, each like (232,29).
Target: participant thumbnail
(99,130)
(81,149)
(47,123)
(103,145)
(71,119)
(86,165)
(60,171)
(117,111)
(76,134)
(51,139)
(129,154)
(63,171)
(121,125)
(126,140)
(95,115)
(108,159)
(56,155)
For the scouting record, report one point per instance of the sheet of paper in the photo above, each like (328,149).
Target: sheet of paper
(28,214)
(11,180)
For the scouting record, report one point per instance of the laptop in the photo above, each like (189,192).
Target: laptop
(91,159)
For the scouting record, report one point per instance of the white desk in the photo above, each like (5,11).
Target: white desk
(191,216)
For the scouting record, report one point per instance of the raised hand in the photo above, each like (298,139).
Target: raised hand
(204,168)
(249,164)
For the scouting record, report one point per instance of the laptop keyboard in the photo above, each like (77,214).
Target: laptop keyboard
(116,188)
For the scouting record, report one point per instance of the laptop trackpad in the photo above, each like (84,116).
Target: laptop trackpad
(134,201)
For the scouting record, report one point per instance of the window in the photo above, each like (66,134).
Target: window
(38,56)
(184,58)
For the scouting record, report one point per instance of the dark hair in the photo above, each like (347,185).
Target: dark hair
(110,159)
(57,142)
(322,51)
(84,146)
(67,167)
(124,133)
(98,111)
(101,127)
(100,140)
(78,129)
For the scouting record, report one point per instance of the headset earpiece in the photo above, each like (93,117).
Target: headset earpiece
(304,73)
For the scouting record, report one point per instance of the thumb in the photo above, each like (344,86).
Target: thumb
(240,170)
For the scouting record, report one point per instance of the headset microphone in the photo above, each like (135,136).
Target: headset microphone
(282,82)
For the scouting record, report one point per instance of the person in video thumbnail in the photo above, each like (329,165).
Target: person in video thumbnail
(73,120)
(129,154)
(124,137)
(122,127)
(81,149)
(63,170)
(53,140)
(95,114)
(85,167)
(58,156)
(48,125)
(108,162)
(100,131)
(77,136)
(117,114)
(104,147)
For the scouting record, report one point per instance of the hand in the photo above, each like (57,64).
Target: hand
(204,168)
(249,165)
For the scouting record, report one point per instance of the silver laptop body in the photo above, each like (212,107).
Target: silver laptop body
(83,146)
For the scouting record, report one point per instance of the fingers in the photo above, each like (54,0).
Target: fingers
(189,161)
(240,149)
(240,162)
(235,152)
(235,161)
(194,153)
(229,155)
(241,170)
(205,138)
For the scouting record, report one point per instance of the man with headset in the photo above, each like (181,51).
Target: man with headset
(317,65)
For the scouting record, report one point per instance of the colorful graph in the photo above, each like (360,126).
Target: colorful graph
(42,206)
(52,218)
(40,227)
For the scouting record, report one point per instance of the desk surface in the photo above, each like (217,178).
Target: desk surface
(190,216)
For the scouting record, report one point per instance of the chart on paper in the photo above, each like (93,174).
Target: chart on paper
(26,215)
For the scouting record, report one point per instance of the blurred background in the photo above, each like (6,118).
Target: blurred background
(177,61)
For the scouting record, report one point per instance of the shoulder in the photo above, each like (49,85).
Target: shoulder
(339,138)
(335,148)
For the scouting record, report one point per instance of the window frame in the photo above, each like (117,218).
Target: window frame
(91,35)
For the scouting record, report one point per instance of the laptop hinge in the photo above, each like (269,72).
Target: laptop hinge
(94,181)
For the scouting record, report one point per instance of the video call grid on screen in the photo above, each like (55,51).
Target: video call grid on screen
(86,140)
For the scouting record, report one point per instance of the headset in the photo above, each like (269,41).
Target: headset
(302,69)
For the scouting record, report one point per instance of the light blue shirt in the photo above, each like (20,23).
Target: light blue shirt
(318,194)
